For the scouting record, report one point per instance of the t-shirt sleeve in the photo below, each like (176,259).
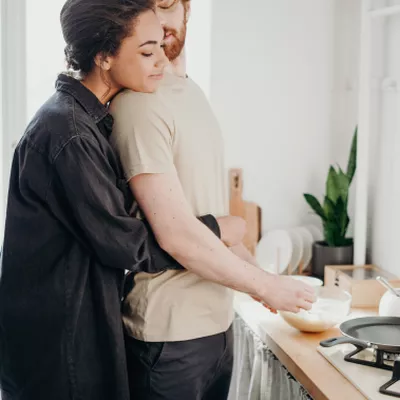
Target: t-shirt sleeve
(142,133)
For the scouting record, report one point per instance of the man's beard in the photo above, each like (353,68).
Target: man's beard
(174,49)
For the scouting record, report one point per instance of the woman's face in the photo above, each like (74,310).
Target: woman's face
(140,61)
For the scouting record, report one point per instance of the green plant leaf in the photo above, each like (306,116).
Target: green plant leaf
(332,190)
(352,163)
(348,242)
(315,205)
(342,217)
(334,211)
(336,223)
(343,184)
(332,233)
(329,209)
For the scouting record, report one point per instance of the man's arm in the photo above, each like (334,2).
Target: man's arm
(161,260)
(241,251)
(162,200)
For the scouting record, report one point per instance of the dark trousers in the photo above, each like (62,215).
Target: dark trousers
(198,369)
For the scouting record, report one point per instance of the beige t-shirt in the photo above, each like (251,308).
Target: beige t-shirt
(174,129)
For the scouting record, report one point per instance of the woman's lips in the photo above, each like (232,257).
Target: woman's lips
(157,76)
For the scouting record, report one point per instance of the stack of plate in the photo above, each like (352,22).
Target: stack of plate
(286,249)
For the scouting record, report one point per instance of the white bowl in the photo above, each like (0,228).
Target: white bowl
(310,280)
(331,308)
(389,305)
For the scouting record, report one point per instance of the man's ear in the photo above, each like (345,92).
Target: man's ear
(188,6)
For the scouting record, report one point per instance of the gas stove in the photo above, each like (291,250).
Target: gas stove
(375,373)
(379,359)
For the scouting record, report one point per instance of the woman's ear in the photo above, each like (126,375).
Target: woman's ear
(103,62)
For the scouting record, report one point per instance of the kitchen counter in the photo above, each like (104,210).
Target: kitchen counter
(297,351)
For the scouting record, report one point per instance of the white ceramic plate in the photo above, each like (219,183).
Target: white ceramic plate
(274,251)
(297,253)
(308,240)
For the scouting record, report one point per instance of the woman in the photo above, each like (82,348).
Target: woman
(68,236)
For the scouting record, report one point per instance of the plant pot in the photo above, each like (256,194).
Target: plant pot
(324,255)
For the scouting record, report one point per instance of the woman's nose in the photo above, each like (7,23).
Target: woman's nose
(162,59)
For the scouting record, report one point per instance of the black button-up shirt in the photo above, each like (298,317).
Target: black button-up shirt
(68,241)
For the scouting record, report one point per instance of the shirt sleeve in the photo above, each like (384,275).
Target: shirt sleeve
(97,205)
(142,134)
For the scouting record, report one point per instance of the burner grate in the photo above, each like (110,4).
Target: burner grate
(386,388)
(379,359)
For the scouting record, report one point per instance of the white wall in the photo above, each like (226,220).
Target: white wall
(345,86)
(198,44)
(45,51)
(13,87)
(284,85)
(272,89)
(384,165)
(2,177)
(385,157)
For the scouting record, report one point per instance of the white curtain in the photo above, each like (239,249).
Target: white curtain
(257,373)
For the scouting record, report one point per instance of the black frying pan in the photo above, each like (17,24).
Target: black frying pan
(382,333)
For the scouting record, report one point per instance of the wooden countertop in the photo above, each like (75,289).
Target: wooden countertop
(297,351)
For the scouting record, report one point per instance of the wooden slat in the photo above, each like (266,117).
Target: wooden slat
(249,211)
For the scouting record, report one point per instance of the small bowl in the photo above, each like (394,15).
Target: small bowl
(310,280)
(389,305)
(331,308)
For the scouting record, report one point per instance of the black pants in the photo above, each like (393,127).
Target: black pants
(197,369)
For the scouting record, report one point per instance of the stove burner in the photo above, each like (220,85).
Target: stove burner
(372,358)
(379,359)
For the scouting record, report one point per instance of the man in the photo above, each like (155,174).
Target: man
(178,324)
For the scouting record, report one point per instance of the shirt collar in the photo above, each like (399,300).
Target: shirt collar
(83,96)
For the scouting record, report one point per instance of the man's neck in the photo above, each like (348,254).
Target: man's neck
(178,66)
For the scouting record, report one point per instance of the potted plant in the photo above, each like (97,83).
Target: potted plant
(336,248)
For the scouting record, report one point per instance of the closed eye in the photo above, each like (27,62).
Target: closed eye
(168,6)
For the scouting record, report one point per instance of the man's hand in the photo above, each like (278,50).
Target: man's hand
(232,229)
(287,294)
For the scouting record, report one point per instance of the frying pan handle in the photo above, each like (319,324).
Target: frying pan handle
(341,340)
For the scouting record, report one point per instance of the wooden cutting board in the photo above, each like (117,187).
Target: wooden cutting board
(249,211)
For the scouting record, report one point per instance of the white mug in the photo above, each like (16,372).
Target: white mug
(389,305)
